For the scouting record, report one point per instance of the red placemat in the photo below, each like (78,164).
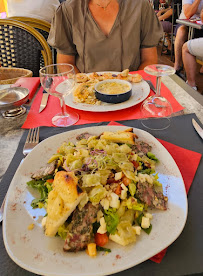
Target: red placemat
(187,162)
(35,119)
(31,83)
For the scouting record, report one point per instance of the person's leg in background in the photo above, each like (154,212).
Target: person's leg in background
(189,62)
(191,50)
(180,39)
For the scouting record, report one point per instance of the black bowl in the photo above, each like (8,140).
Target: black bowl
(113,98)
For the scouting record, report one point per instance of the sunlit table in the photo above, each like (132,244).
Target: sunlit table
(192,25)
(184,255)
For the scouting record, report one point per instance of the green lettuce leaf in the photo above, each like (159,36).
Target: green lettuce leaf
(112,220)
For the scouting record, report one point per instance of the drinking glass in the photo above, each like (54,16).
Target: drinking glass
(156,107)
(59,81)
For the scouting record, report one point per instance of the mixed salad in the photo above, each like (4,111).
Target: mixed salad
(117,184)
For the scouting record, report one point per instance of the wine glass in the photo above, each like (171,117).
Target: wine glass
(156,107)
(59,81)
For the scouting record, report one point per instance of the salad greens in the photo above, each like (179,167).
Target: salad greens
(109,174)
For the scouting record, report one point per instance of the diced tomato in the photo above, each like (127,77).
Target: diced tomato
(126,180)
(118,190)
(135,163)
(101,239)
(50,180)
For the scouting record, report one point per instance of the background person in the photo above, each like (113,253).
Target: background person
(192,49)
(165,16)
(105,35)
(40,9)
(191,9)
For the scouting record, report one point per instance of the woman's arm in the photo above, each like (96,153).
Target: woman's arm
(67,59)
(148,57)
(166,14)
(190,9)
(161,12)
(201,15)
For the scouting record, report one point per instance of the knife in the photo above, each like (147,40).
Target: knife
(151,86)
(197,128)
(44,100)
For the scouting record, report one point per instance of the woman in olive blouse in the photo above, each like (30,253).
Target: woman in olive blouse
(105,35)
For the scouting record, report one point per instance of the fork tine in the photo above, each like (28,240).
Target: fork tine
(36,135)
(28,136)
(32,135)
(31,141)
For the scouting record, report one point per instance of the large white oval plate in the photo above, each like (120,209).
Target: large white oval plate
(35,252)
(140,91)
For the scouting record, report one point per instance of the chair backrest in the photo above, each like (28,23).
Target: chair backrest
(22,46)
(41,26)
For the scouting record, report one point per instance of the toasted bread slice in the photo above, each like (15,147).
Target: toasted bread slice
(62,201)
(125,73)
(126,130)
(120,137)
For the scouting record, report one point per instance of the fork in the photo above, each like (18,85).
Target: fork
(31,141)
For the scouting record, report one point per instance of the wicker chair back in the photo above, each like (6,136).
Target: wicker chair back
(22,46)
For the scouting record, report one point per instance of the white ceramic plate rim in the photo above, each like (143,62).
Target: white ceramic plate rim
(142,88)
(172,221)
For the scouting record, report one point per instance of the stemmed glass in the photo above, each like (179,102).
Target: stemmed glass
(156,107)
(59,81)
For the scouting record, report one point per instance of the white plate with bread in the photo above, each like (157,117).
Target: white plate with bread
(44,255)
(140,91)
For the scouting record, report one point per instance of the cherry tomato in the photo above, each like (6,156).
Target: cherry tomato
(135,164)
(126,181)
(118,190)
(50,180)
(101,239)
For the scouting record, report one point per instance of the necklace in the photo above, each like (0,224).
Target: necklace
(104,7)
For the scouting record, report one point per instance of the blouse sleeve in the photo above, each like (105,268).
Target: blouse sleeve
(60,35)
(151,31)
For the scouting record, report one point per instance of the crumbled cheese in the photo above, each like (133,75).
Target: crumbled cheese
(134,157)
(30,226)
(145,223)
(118,175)
(99,215)
(44,221)
(124,191)
(124,187)
(148,215)
(114,202)
(145,178)
(102,229)
(137,229)
(123,194)
(105,203)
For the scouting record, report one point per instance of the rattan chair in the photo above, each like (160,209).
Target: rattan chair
(41,26)
(22,46)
